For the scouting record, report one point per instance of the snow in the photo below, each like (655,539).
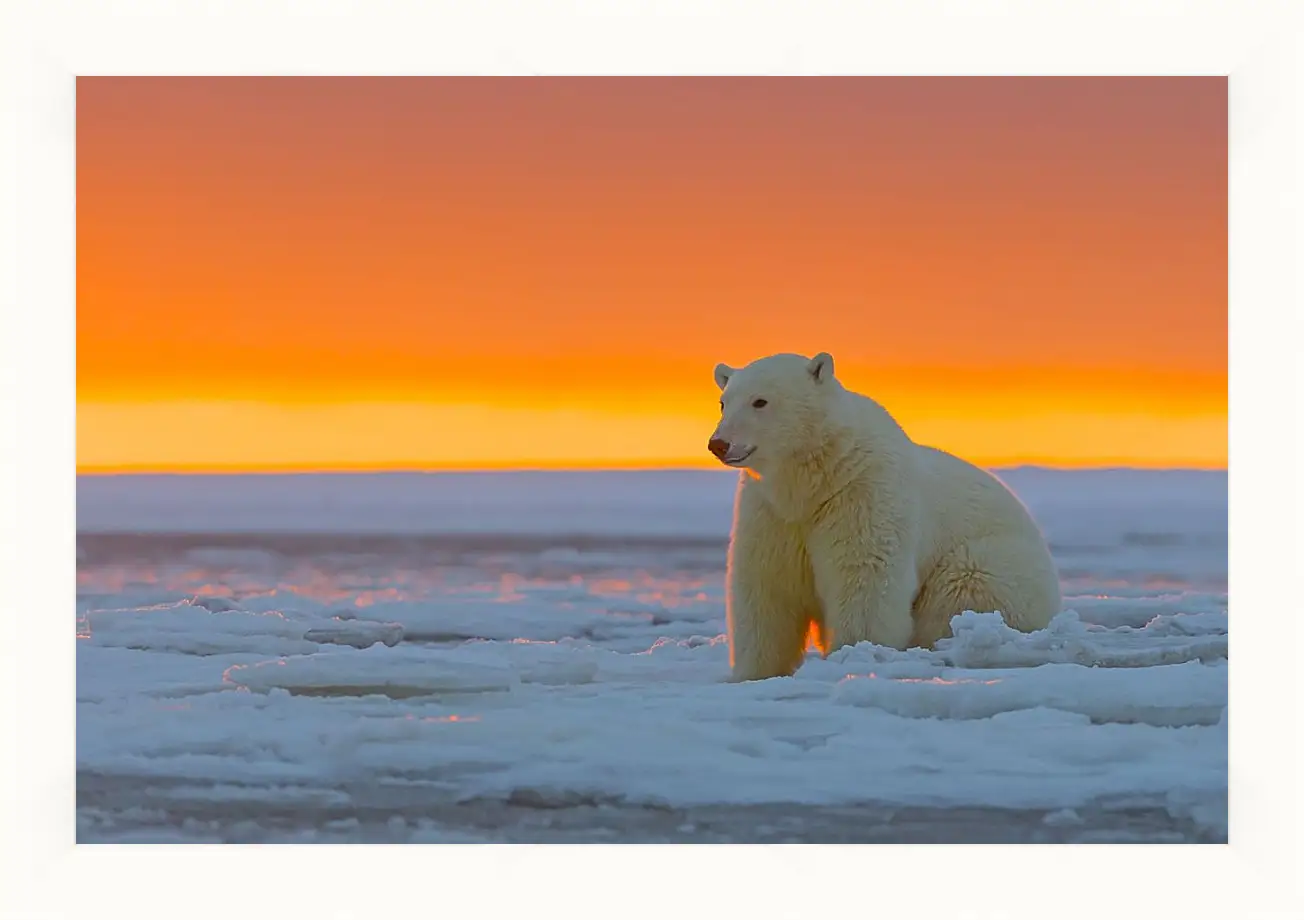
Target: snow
(564,649)
(194,628)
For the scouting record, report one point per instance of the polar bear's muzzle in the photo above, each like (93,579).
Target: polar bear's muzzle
(727,453)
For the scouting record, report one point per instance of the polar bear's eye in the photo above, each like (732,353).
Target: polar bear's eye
(758,403)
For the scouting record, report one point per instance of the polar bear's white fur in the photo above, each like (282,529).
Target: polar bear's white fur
(847,530)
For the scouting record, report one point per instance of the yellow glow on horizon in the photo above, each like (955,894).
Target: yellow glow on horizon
(249,437)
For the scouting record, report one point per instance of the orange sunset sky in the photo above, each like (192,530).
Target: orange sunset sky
(328,273)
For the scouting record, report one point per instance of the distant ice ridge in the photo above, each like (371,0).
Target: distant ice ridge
(1163,512)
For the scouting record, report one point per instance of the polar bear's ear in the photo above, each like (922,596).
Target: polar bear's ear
(722,374)
(821,367)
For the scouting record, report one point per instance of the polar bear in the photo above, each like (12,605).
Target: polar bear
(847,530)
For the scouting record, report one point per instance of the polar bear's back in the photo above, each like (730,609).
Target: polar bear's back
(958,501)
(966,502)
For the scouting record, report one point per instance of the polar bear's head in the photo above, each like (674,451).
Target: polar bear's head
(771,410)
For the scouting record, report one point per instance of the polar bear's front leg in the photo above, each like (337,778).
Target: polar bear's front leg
(865,577)
(770,596)
(868,602)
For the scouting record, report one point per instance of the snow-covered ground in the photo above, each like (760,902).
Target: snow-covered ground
(540,657)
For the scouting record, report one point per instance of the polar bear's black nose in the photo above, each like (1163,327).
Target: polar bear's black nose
(719,447)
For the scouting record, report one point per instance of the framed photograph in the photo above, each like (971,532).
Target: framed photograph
(652,459)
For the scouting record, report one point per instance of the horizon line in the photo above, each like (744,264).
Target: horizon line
(292,469)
